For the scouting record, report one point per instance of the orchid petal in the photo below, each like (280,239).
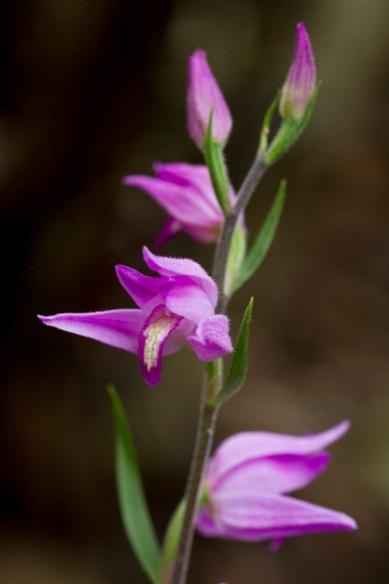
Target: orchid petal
(247,446)
(211,338)
(278,474)
(300,83)
(190,176)
(268,516)
(141,288)
(181,203)
(173,267)
(205,98)
(170,229)
(190,301)
(117,328)
(155,333)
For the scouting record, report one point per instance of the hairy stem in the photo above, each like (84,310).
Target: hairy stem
(208,412)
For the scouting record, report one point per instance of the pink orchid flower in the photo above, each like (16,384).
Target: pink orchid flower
(300,82)
(249,477)
(185,191)
(177,307)
(205,98)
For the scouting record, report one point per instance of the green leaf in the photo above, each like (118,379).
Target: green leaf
(214,159)
(173,533)
(235,259)
(171,540)
(265,131)
(133,506)
(289,132)
(238,369)
(264,238)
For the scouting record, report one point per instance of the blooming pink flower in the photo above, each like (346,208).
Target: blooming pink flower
(247,480)
(186,192)
(300,82)
(205,98)
(175,308)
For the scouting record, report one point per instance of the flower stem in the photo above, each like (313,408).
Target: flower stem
(251,181)
(208,411)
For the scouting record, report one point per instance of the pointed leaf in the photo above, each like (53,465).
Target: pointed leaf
(235,259)
(171,540)
(266,125)
(264,238)
(133,506)
(213,154)
(173,533)
(238,369)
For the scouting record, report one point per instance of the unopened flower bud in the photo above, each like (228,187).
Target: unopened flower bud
(300,82)
(205,100)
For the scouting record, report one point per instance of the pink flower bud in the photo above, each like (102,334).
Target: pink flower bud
(300,82)
(205,98)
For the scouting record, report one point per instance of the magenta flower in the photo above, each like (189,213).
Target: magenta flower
(185,191)
(247,480)
(175,308)
(300,82)
(205,98)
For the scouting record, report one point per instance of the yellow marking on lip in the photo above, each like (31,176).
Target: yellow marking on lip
(154,335)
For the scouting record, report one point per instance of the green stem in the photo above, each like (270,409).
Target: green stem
(204,438)
(253,177)
(213,378)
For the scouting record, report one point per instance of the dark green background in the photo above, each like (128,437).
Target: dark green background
(92,90)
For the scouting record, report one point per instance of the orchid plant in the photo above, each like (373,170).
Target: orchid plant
(241,492)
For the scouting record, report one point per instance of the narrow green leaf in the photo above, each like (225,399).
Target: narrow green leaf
(265,131)
(214,159)
(264,239)
(135,515)
(238,369)
(235,259)
(171,540)
(173,533)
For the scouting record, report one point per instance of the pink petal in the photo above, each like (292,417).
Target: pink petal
(211,338)
(155,333)
(170,229)
(247,446)
(141,288)
(194,175)
(183,204)
(301,79)
(172,267)
(190,301)
(204,97)
(190,176)
(117,328)
(267,516)
(278,474)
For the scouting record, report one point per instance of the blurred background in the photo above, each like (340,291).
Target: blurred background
(91,91)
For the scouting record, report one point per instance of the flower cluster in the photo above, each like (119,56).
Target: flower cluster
(245,485)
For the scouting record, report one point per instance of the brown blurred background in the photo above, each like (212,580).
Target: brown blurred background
(91,91)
